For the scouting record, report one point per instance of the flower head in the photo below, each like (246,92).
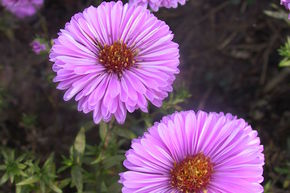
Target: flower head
(195,152)
(113,59)
(38,46)
(286,4)
(156,4)
(22,8)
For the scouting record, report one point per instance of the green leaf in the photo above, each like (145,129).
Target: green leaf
(100,158)
(31,180)
(285,63)
(113,161)
(12,179)
(4,178)
(281,170)
(2,167)
(62,168)
(277,12)
(104,187)
(49,164)
(65,182)
(267,187)
(66,162)
(115,187)
(21,166)
(42,187)
(124,132)
(80,141)
(55,188)
(103,131)
(18,189)
(21,158)
(285,49)
(77,178)
(28,121)
(286,184)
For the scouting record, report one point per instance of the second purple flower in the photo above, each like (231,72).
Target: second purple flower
(22,8)
(113,59)
(156,4)
(189,152)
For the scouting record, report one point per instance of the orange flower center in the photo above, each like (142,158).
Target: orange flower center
(116,57)
(192,174)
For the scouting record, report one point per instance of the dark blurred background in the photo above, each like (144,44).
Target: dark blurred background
(229,63)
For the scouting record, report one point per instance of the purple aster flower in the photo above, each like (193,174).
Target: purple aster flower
(195,152)
(156,4)
(115,58)
(286,3)
(38,47)
(22,8)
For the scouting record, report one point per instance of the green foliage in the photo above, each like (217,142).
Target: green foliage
(87,168)
(284,51)
(267,187)
(13,167)
(282,173)
(43,179)
(27,174)
(175,100)
(172,104)
(28,120)
(278,12)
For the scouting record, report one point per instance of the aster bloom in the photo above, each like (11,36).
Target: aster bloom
(115,58)
(22,8)
(286,4)
(38,46)
(190,152)
(156,4)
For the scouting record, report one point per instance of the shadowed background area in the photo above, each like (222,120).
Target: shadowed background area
(229,63)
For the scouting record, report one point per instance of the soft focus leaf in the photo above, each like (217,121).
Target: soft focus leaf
(4,178)
(115,187)
(31,180)
(2,167)
(103,131)
(100,158)
(124,132)
(267,187)
(284,63)
(104,187)
(80,141)
(113,161)
(55,188)
(277,12)
(42,187)
(18,189)
(64,183)
(77,178)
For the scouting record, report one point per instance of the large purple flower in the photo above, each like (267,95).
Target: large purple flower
(156,4)
(195,152)
(22,8)
(286,4)
(114,58)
